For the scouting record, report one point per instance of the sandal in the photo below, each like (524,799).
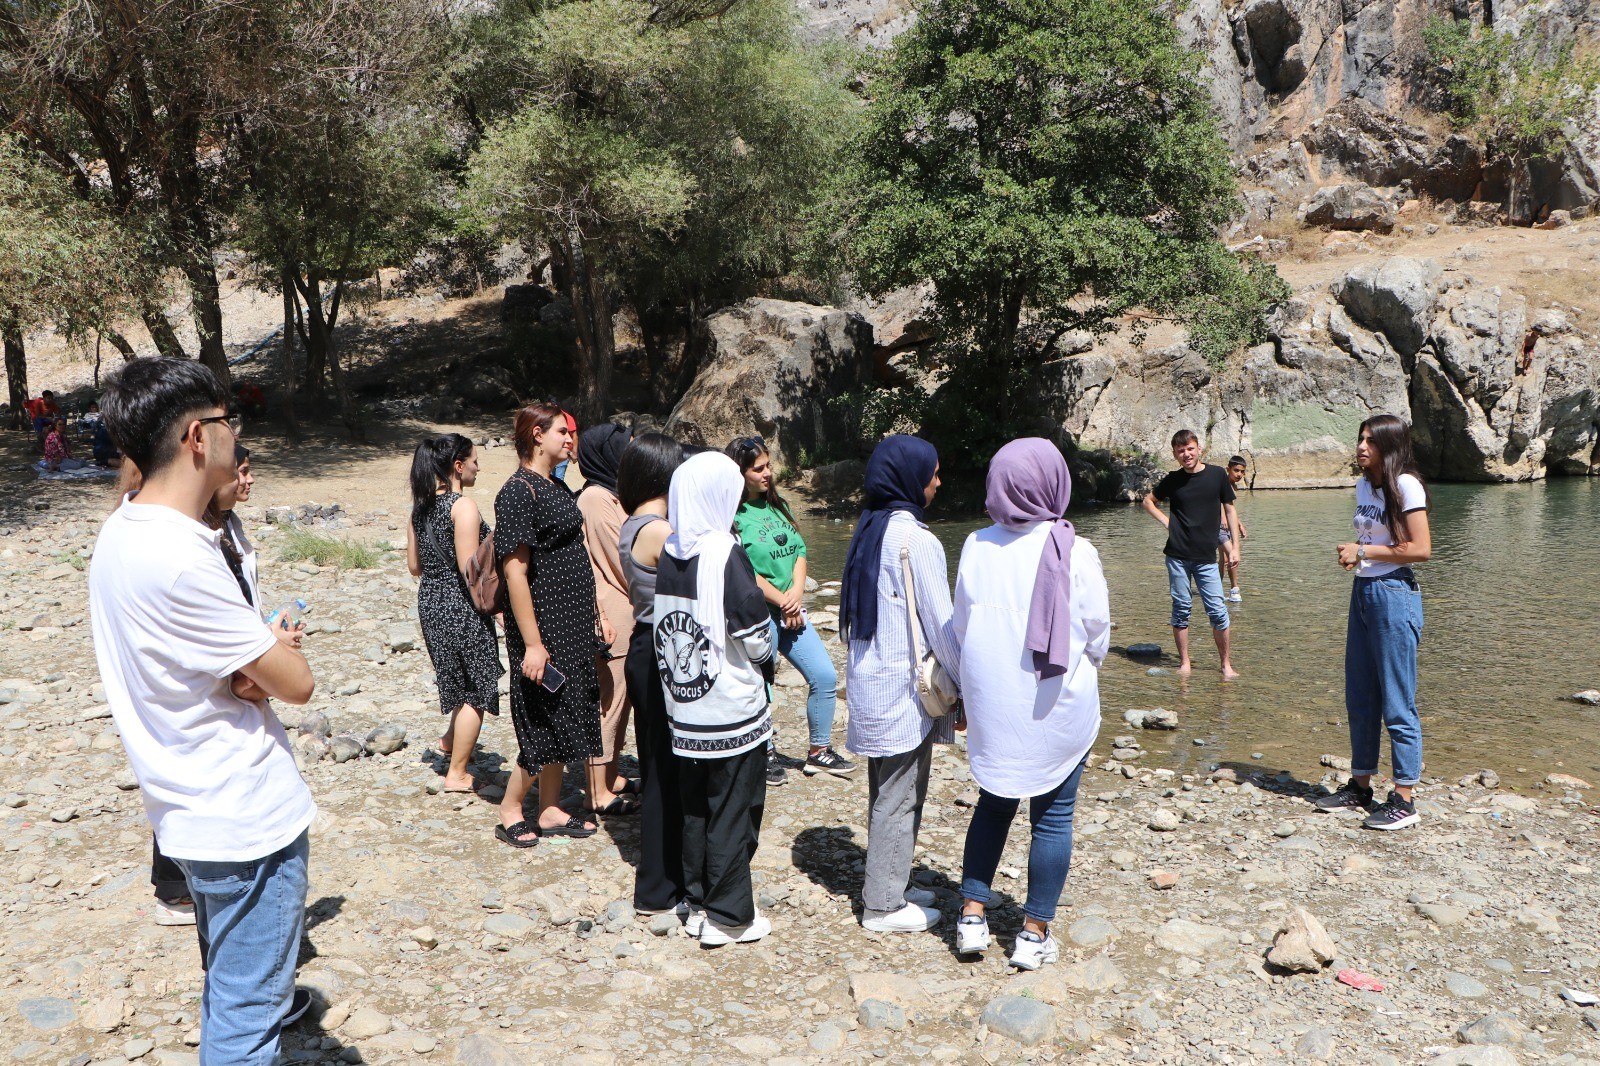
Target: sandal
(513,834)
(631,786)
(572,827)
(621,805)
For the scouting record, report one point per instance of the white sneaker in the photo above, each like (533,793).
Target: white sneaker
(694,923)
(1233,595)
(908,919)
(174,913)
(972,935)
(1033,951)
(922,897)
(713,935)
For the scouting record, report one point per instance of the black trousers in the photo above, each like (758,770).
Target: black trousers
(658,880)
(166,876)
(722,804)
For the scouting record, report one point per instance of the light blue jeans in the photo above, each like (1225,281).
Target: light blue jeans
(1209,579)
(250,916)
(1380,674)
(1049,852)
(805,651)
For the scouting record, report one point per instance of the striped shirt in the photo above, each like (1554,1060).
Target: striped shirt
(886,718)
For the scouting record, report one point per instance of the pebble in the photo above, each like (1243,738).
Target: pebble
(1027,1021)
(1464,987)
(1500,1030)
(386,739)
(366,1023)
(1579,997)
(1091,931)
(1165,821)
(880,1014)
(827,1038)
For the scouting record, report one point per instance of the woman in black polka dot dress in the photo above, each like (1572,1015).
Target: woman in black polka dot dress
(551,620)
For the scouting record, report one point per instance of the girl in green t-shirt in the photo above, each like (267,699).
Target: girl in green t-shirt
(778,553)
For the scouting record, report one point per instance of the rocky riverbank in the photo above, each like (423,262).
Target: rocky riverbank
(427,940)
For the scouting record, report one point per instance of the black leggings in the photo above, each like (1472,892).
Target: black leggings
(658,881)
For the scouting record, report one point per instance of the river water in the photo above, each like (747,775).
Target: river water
(1512,605)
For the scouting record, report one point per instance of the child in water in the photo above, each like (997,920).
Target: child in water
(1236,469)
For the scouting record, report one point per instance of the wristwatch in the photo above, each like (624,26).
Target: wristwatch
(1361,552)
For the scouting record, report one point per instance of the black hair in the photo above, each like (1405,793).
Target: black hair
(1184,436)
(1237,460)
(645,470)
(48,393)
(148,398)
(431,466)
(240,453)
(1391,436)
(745,451)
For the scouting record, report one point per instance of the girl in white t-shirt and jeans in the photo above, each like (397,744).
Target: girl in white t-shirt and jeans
(1380,654)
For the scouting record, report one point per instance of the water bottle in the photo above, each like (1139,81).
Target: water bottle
(289,616)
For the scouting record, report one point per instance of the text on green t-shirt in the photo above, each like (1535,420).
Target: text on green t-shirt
(771,542)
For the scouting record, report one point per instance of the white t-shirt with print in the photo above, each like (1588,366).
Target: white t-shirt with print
(170,628)
(1370,526)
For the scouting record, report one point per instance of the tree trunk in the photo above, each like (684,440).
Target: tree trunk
(205,302)
(591,314)
(161,332)
(16,371)
(120,343)
(290,422)
(319,342)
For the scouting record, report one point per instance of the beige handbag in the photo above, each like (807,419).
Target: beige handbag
(935,691)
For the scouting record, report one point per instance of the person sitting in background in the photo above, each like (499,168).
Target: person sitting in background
(250,400)
(102,446)
(58,448)
(43,410)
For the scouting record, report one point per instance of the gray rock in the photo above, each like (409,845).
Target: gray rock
(401,639)
(1579,997)
(1464,987)
(1348,206)
(1027,1021)
(827,1038)
(480,1049)
(1591,696)
(1091,931)
(1315,1045)
(1302,944)
(1394,296)
(315,723)
(1144,651)
(374,653)
(1442,914)
(881,1014)
(509,924)
(664,924)
(48,1012)
(1475,1056)
(1499,1030)
(1098,974)
(343,748)
(366,1023)
(386,739)
(1488,779)
(1183,937)
(1165,821)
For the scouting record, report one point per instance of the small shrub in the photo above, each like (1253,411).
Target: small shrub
(301,545)
(72,559)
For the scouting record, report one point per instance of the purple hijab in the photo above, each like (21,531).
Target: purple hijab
(1029,483)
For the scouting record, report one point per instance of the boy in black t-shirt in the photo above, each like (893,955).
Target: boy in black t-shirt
(1201,498)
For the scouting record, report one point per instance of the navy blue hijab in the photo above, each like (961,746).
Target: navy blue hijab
(897,474)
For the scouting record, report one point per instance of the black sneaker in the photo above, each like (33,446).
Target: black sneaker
(299,1003)
(1349,798)
(776,774)
(828,761)
(1393,813)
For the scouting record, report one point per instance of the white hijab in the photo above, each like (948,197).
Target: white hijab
(701,503)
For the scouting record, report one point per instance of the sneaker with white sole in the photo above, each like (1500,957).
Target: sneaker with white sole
(714,935)
(972,934)
(179,913)
(908,919)
(1393,813)
(299,1003)
(922,897)
(1233,595)
(680,908)
(694,923)
(828,761)
(1033,951)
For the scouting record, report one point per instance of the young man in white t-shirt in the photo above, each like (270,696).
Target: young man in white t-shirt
(187,666)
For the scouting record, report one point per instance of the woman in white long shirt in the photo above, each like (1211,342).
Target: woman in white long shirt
(1033,622)
(887,723)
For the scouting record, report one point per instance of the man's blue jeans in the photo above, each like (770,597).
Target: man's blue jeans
(1049,853)
(804,649)
(250,917)
(1209,579)
(1380,674)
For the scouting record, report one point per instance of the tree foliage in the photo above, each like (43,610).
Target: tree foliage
(1050,165)
(1523,101)
(664,156)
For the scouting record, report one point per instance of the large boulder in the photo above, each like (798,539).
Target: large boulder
(780,370)
(1357,140)
(1350,205)
(1393,296)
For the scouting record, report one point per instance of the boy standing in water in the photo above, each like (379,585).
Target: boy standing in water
(1230,566)
(1201,498)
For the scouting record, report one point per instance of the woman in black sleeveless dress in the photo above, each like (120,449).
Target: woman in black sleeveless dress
(551,621)
(445,529)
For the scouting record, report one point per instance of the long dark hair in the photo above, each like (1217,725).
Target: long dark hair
(645,470)
(431,466)
(745,451)
(1391,436)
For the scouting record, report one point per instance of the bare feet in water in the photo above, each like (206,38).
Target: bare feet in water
(1229,673)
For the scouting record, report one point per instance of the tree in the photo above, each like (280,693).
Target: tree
(1050,165)
(1524,103)
(663,153)
(148,90)
(63,261)
(341,175)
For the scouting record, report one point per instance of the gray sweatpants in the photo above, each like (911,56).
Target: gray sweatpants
(897,787)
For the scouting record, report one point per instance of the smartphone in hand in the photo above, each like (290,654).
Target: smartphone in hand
(553,679)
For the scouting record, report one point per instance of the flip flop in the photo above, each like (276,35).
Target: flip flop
(470,790)
(513,834)
(621,805)
(572,827)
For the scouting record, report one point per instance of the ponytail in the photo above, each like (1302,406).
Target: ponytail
(431,466)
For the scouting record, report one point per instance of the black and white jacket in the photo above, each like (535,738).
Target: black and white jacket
(714,713)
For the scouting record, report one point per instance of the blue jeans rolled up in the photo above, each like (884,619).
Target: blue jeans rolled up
(1209,580)
(1380,674)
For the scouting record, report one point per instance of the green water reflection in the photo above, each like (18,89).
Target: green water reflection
(1510,598)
